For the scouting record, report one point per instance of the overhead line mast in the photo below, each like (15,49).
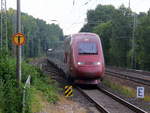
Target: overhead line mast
(129,4)
(4,25)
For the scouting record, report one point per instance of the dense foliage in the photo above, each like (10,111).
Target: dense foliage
(124,35)
(39,35)
(11,97)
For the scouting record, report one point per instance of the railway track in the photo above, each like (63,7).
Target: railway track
(135,77)
(107,102)
(142,72)
(145,73)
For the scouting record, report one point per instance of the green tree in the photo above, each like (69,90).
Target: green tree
(121,35)
(101,14)
(104,30)
(114,26)
(143,43)
(39,35)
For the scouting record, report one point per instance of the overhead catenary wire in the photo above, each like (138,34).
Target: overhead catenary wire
(85,5)
(87,2)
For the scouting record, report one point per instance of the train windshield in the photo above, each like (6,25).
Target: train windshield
(87,48)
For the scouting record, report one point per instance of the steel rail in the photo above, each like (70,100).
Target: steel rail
(142,72)
(98,106)
(127,77)
(114,97)
(135,71)
(122,101)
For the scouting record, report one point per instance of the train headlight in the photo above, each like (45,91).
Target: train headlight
(80,63)
(97,63)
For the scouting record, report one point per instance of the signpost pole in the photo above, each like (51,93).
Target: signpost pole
(18,47)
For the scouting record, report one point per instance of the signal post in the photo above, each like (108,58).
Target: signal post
(18,40)
(18,48)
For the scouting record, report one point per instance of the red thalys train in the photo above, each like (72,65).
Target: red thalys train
(83,56)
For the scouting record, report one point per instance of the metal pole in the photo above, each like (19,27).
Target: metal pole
(6,26)
(27,85)
(129,4)
(1,25)
(133,41)
(14,31)
(18,48)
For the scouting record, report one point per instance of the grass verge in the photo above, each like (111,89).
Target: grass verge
(124,90)
(36,102)
(43,89)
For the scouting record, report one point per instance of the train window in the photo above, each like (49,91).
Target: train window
(87,48)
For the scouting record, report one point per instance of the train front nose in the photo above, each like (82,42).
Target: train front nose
(89,72)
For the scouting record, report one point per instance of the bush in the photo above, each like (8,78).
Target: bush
(1,95)
(11,97)
(49,90)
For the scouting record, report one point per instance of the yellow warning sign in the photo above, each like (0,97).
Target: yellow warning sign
(68,91)
(18,39)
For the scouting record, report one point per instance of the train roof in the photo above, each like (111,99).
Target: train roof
(84,33)
(82,36)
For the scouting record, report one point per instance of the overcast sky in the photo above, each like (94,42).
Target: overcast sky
(71,14)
